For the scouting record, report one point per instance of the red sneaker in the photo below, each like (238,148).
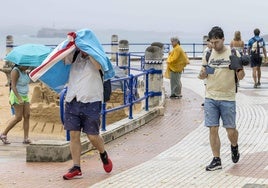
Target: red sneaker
(107,163)
(73,173)
(109,166)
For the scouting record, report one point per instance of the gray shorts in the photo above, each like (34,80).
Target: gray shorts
(83,117)
(216,109)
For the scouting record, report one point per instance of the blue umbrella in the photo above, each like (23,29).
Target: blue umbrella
(28,54)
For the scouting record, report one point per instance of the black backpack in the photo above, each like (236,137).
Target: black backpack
(256,54)
(107,86)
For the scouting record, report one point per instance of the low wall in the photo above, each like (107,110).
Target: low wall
(58,151)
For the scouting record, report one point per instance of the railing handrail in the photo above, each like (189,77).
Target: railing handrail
(193,49)
(129,78)
(127,103)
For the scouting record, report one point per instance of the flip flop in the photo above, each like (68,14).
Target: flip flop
(4,139)
(27,141)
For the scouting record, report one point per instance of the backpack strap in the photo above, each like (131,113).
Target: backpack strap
(258,45)
(234,52)
(258,48)
(75,55)
(236,82)
(208,53)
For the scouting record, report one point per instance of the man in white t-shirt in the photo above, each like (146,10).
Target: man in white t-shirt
(220,96)
(82,109)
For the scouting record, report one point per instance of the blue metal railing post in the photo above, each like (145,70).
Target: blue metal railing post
(193,50)
(147,91)
(68,138)
(62,97)
(128,63)
(142,62)
(116,57)
(130,116)
(124,91)
(103,112)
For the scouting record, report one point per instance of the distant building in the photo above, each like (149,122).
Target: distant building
(53,33)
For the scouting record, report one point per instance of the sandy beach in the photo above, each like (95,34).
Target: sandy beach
(38,128)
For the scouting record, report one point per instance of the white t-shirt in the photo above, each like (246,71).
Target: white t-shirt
(85,82)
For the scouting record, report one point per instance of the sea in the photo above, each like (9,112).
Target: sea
(138,40)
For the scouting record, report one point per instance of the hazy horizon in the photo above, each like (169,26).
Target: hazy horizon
(181,18)
(136,21)
(21,36)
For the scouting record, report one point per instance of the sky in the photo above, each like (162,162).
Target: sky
(181,17)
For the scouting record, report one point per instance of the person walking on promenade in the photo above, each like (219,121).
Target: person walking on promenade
(206,55)
(176,61)
(255,44)
(82,110)
(237,43)
(220,95)
(19,100)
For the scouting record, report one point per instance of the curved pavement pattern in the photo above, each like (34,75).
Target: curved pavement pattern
(183,165)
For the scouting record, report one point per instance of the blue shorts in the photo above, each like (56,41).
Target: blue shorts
(255,62)
(83,117)
(216,109)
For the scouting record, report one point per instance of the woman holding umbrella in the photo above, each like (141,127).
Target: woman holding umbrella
(23,56)
(19,99)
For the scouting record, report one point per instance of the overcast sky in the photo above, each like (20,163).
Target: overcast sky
(188,16)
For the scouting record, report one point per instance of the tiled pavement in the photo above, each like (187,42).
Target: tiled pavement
(170,151)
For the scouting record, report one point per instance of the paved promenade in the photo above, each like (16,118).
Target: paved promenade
(183,165)
(170,151)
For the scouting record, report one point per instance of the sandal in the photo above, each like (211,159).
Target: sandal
(27,141)
(4,139)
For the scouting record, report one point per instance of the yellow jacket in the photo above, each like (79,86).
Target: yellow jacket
(177,59)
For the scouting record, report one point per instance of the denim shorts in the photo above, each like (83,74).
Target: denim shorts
(220,109)
(255,62)
(83,117)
